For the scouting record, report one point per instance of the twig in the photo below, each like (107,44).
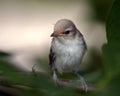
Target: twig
(76,84)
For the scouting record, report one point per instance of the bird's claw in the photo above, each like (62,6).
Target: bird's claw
(83,83)
(84,86)
(55,79)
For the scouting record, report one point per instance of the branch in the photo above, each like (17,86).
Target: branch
(75,84)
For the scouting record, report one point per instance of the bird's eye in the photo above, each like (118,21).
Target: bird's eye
(66,32)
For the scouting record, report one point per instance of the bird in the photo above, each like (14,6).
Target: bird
(67,50)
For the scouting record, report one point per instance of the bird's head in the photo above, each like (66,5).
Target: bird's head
(64,28)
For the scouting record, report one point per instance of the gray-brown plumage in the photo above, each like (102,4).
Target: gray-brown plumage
(67,49)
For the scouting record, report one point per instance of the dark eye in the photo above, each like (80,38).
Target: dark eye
(66,32)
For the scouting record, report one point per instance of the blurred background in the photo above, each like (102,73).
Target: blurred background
(26,26)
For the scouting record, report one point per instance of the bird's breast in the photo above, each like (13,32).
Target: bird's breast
(68,56)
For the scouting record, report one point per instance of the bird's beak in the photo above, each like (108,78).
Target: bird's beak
(55,34)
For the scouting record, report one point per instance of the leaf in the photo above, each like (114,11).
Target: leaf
(4,54)
(111,50)
(113,23)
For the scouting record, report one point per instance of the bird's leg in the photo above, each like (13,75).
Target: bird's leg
(55,79)
(83,82)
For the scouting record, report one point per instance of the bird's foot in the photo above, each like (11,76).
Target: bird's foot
(55,79)
(83,84)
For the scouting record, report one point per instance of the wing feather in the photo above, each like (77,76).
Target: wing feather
(80,35)
(52,57)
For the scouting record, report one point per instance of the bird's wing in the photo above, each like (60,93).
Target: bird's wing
(80,34)
(52,56)
(85,44)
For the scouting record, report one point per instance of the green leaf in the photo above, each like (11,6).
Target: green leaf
(111,50)
(4,54)
(113,24)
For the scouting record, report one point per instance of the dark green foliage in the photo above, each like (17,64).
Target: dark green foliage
(111,51)
(18,83)
(4,54)
(101,9)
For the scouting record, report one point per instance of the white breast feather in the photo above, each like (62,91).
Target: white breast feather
(69,55)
